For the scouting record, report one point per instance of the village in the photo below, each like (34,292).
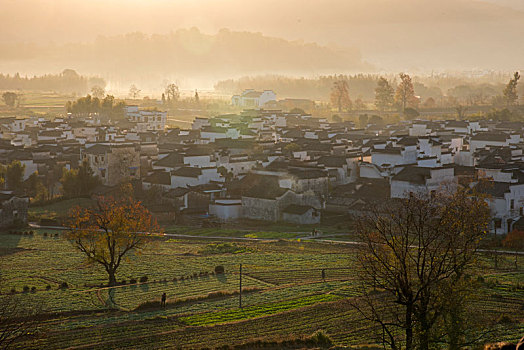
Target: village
(268,164)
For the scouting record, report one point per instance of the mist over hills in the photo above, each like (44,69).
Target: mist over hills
(410,35)
(187,56)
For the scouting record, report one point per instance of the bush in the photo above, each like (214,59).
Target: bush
(123,282)
(504,319)
(132,281)
(48,287)
(13,291)
(319,338)
(45,234)
(25,289)
(63,285)
(143,279)
(219,270)
(33,289)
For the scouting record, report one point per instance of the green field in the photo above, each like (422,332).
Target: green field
(284,294)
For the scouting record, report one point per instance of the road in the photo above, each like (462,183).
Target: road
(317,239)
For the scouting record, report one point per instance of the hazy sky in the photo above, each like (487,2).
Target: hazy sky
(391,34)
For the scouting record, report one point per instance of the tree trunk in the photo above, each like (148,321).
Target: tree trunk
(112,277)
(423,337)
(409,327)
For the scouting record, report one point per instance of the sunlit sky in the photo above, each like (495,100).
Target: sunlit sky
(391,34)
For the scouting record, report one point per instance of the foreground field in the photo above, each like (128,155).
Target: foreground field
(284,294)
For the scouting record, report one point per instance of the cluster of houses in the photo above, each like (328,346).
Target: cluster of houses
(265,164)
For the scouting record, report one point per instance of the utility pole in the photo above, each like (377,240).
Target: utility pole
(240,289)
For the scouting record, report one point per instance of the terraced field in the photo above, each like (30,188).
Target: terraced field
(285,294)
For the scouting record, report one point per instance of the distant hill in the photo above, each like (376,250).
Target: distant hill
(181,55)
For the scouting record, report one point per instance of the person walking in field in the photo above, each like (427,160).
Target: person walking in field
(163,302)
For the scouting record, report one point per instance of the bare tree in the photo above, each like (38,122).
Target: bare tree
(416,251)
(172,93)
(405,94)
(510,91)
(340,95)
(134,92)
(98,91)
(15,321)
(461,111)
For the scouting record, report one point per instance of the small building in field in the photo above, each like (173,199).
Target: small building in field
(226,209)
(301,214)
(13,209)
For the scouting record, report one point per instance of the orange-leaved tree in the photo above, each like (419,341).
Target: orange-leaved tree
(110,230)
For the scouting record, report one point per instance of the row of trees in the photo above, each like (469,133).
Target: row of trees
(403,97)
(108,106)
(78,182)
(386,97)
(69,81)
(435,90)
(75,182)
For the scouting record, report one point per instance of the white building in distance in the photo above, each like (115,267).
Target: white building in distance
(146,120)
(253,99)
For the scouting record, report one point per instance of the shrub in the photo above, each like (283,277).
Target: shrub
(195,274)
(143,279)
(219,270)
(33,289)
(174,279)
(48,287)
(504,319)
(25,289)
(123,282)
(13,291)
(45,234)
(63,285)
(319,338)
(132,281)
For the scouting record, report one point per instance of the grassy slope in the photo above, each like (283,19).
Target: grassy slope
(291,299)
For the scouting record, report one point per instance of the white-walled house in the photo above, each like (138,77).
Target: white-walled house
(483,140)
(394,156)
(416,179)
(146,120)
(190,176)
(253,99)
(506,202)
(226,209)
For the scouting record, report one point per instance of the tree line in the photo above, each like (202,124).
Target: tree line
(69,81)
(77,182)
(403,97)
(107,106)
(434,91)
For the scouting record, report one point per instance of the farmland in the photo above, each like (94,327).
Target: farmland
(284,294)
